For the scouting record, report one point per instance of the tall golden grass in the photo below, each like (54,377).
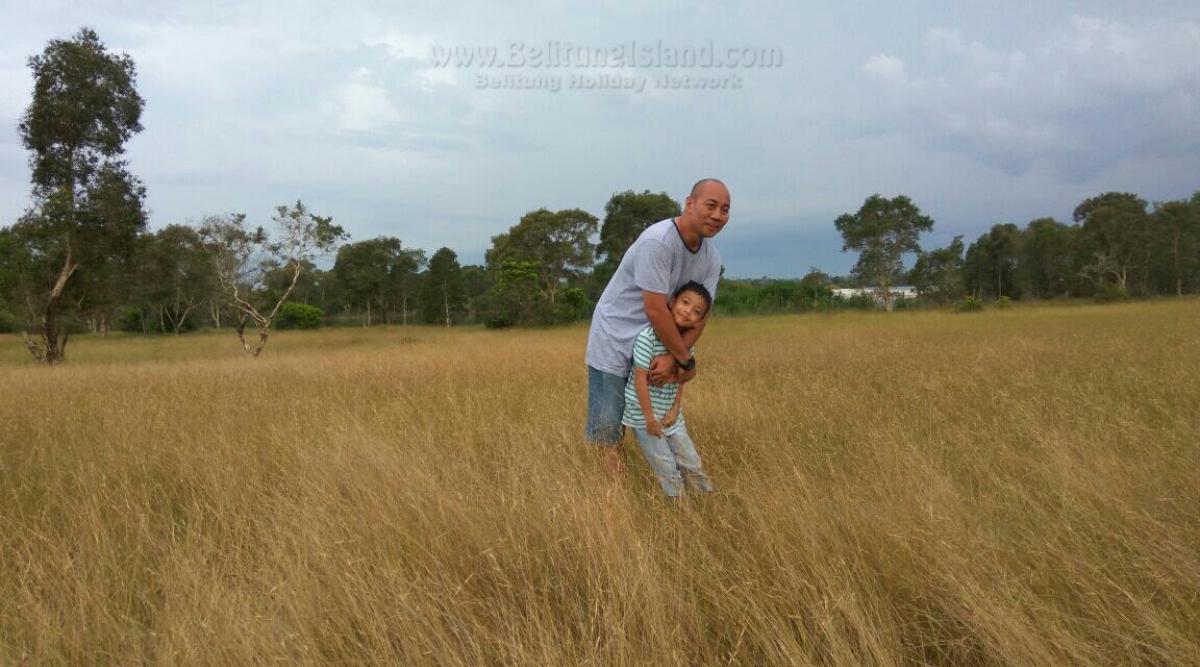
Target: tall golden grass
(1013,487)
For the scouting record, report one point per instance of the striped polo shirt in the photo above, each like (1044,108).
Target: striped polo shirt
(646,347)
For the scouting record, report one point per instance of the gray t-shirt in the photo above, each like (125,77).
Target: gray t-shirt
(658,261)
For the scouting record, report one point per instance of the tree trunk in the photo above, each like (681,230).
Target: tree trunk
(52,349)
(446,303)
(1175,256)
(367,322)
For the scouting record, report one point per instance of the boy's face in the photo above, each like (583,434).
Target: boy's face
(688,309)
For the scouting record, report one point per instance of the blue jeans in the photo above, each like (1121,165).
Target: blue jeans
(671,457)
(606,405)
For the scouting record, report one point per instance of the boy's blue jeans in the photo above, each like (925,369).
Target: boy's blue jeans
(671,457)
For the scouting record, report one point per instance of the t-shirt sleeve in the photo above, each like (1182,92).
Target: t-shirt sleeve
(652,270)
(713,277)
(643,349)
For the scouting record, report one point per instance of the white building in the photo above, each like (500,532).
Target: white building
(898,292)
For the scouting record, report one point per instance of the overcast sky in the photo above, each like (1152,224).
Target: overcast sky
(981,112)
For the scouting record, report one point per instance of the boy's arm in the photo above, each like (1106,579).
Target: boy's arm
(673,413)
(642,384)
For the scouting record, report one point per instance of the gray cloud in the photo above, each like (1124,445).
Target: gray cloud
(980,115)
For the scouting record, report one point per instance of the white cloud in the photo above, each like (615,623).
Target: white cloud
(886,68)
(363,104)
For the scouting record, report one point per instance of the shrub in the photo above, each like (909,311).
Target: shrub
(299,316)
(969,304)
(8,323)
(1110,293)
(1003,302)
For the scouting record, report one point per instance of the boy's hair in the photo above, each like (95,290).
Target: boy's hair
(701,290)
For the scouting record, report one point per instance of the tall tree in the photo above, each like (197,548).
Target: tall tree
(557,241)
(443,295)
(626,215)
(176,275)
(403,282)
(1116,232)
(1048,262)
(242,257)
(362,270)
(1177,224)
(88,207)
(937,274)
(882,231)
(991,261)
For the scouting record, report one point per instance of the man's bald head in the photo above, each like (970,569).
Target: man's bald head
(699,186)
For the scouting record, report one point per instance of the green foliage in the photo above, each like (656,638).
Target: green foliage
(937,275)
(1003,302)
(8,323)
(557,243)
(1109,293)
(990,266)
(294,315)
(969,304)
(443,291)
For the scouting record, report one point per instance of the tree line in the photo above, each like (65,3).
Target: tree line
(82,259)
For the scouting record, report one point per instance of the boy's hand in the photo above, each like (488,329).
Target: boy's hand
(670,417)
(654,428)
(663,370)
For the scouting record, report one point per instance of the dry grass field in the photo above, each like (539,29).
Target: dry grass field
(1015,487)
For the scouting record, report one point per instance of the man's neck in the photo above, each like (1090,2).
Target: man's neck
(691,237)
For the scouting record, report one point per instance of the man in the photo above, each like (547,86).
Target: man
(666,256)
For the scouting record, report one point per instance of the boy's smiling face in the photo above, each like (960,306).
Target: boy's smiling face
(688,308)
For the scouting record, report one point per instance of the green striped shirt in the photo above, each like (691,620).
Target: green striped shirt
(646,347)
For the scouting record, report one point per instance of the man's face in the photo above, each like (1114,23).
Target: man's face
(708,210)
(688,309)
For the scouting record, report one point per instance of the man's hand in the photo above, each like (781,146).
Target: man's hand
(653,427)
(684,376)
(663,370)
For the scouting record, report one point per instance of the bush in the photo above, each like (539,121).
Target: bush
(1003,302)
(8,323)
(969,304)
(299,316)
(1110,293)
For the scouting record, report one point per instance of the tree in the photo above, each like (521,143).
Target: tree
(1048,262)
(363,269)
(1116,232)
(991,261)
(242,257)
(176,275)
(558,241)
(626,215)
(476,283)
(1178,227)
(403,282)
(88,207)
(443,295)
(937,275)
(882,231)
(815,290)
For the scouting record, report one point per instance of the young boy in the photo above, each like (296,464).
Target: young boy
(655,413)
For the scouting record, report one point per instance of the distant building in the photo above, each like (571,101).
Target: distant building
(898,292)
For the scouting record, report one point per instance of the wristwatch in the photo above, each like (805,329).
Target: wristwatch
(689,366)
